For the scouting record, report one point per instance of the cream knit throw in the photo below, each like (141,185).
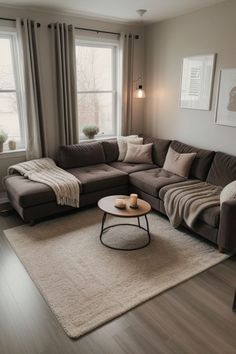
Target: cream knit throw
(185,201)
(65,186)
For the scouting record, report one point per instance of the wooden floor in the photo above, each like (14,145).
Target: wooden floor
(194,317)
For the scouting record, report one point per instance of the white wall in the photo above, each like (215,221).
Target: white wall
(46,63)
(210,30)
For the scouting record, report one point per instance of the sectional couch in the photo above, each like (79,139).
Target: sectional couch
(95,165)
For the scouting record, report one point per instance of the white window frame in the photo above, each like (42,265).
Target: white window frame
(106,43)
(10,33)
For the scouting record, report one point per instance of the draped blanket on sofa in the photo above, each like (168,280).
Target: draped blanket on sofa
(186,200)
(65,186)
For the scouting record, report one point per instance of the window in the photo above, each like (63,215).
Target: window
(11,117)
(97,86)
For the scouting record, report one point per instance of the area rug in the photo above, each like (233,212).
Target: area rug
(86,284)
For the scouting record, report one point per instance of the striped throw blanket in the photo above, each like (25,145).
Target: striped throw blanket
(186,200)
(65,186)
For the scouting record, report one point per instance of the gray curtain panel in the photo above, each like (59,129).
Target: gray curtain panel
(64,46)
(27,31)
(127,46)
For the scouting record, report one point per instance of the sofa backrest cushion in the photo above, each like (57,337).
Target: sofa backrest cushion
(223,169)
(111,150)
(79,155)
(159,148)
(202,162)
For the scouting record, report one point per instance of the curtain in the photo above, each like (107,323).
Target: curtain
(127,46)
(64,55)
(27,31)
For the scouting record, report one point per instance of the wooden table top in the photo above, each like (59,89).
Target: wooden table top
(107,205)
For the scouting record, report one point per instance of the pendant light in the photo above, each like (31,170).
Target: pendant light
(139,92)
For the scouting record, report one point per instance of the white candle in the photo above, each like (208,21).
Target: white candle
(133,199)
(120,203)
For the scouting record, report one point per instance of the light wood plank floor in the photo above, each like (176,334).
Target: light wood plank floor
(195,317)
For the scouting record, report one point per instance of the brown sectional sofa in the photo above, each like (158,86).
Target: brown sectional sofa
(95,165)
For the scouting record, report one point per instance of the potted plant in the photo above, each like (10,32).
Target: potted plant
(90,131)
(3,138)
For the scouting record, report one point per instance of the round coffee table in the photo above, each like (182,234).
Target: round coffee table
(107,205)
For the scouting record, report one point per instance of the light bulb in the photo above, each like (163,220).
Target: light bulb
(139,93)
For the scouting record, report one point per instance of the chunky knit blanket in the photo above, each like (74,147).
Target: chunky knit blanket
(65,186)
(186,200)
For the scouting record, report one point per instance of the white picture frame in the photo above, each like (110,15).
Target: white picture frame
(226,98)
(197,82)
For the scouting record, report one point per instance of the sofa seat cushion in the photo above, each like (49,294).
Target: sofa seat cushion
(151,181)
(99,177)
(27,193)
(132,167)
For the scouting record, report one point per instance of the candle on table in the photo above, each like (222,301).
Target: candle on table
(133,199)
(120,203)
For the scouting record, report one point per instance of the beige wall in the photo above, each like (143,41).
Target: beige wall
(46,63)
(210,30)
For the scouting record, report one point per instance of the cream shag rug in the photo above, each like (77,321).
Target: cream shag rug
(87,284)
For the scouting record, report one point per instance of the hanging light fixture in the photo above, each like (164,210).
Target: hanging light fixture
(139,92)
(141,12)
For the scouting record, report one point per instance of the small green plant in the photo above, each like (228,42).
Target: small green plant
(3,136)
(90,131)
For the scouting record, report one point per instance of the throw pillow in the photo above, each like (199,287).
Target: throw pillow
(122,144)
(139,153)
(228,192)
(177,163)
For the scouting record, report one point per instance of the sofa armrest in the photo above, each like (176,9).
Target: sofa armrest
(227,228)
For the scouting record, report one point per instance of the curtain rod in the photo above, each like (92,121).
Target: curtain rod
(97,31)
(13,20)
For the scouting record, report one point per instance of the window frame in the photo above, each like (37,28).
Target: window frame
(10,33)
(112,44)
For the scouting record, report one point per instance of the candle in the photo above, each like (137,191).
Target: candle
(133,200)
(120,203)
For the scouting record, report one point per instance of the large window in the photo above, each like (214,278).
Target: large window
(11,120)
(97,86)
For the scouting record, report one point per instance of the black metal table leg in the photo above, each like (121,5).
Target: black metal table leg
(148,232)
(103,229)
(234,303)
(138,222)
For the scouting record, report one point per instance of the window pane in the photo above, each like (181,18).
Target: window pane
(6,67)
(94,68)
(9,119)
(96,108)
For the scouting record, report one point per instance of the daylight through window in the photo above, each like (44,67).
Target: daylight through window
(97,86)
(11,120)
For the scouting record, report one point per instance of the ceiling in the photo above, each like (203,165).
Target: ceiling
(118,10)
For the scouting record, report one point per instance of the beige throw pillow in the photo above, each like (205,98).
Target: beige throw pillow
(122,144)
(177,163)
(228,192)
(139,153)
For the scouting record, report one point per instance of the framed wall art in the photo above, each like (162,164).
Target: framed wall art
(226,103)
(197,80)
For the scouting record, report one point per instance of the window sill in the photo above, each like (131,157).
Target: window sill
(12,153)
(85,140)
